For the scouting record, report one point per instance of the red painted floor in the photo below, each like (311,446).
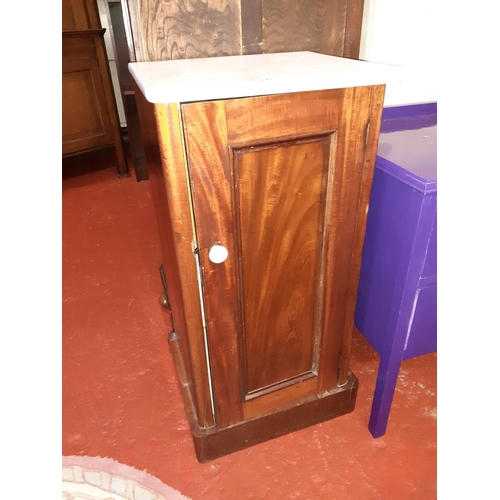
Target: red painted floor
(120,394)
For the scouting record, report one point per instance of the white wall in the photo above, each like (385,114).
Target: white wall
(404,33)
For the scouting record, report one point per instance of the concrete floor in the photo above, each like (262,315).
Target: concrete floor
(120,393)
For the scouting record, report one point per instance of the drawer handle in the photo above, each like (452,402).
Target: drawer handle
(217,254)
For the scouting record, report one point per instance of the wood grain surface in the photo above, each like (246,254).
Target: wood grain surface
(86,125)
(297,415)
(344,244)
(206,144)
(165,29)
(187,29)
(275,303)
(80,15)
(352,31)
(251,27)
(280,198)
(162,135)
(315,25)
(286,116)
(369,101)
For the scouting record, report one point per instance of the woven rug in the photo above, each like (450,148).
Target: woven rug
(97,478)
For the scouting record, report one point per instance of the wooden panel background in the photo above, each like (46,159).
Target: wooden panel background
(185,29)
(304,25)
(164,30)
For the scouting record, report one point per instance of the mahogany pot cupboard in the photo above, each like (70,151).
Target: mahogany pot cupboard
(261,168)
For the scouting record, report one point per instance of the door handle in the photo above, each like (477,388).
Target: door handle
(217,254)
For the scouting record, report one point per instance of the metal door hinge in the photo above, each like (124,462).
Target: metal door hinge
(339,371)
(164,299)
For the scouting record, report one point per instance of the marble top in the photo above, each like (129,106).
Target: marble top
(187,80)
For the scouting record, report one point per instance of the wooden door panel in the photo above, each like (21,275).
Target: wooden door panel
(280,193)
(84,113)
(277,181)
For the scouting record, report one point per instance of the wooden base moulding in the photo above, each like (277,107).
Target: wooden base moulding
(211,443)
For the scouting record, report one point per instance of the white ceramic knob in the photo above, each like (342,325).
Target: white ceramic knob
(217,254)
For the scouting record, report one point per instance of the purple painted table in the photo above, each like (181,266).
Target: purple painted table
(396,305)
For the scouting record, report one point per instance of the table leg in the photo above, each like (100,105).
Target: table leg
(384,392)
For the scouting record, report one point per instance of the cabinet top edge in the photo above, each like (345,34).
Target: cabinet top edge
(230,77)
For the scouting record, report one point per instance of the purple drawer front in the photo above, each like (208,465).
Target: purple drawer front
(422,337)
(430,266)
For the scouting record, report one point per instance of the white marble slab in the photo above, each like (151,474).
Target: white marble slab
(188,80)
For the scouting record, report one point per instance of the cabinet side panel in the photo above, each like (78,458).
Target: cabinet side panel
(161,132)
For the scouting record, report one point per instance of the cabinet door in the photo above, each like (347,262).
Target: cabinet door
(85,116)
(282,182)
